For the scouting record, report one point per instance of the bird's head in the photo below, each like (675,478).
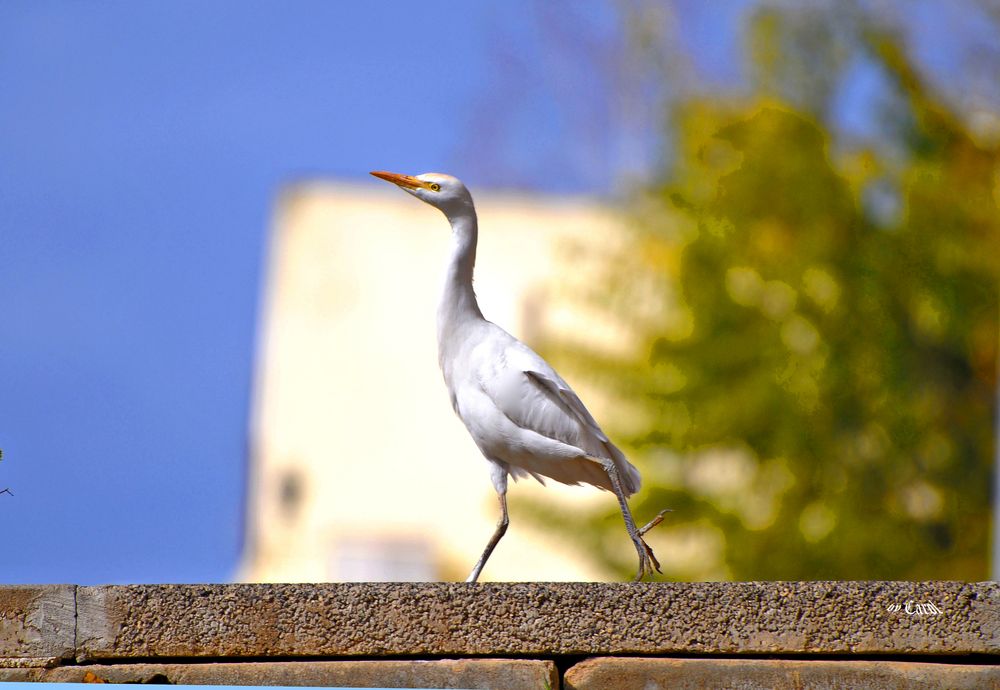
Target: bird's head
(441,191)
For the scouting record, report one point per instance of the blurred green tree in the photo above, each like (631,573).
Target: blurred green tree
(813,386)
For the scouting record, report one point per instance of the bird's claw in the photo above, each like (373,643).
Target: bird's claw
(647,561)
(652,559)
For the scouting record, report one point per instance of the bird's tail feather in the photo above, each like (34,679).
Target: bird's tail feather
(586,469)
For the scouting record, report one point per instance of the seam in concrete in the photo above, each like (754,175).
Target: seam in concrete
(569,660)
(76,621)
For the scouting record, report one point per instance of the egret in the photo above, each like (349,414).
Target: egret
(523,416)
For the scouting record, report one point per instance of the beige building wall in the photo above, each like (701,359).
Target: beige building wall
(359,469)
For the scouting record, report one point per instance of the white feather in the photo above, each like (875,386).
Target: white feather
(519,411)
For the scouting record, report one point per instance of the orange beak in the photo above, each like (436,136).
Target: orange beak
(405,181)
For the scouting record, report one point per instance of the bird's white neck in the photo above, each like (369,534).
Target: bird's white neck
(458,304)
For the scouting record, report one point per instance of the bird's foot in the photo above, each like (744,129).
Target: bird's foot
(652,559)
(647,559)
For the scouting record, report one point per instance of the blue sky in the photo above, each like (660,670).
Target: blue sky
(142,146)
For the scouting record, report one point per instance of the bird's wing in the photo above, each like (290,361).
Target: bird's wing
(533,396)
(527,391)
(569,401)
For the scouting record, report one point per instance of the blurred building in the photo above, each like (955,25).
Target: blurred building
(359,469)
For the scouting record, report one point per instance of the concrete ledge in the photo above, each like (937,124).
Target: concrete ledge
(748,674)
(41,626)
(536,619)
(457,673)
(37,625)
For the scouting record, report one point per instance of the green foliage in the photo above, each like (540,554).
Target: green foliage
(815,396)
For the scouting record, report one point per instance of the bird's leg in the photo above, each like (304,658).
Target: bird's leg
(647,560)
(494,540)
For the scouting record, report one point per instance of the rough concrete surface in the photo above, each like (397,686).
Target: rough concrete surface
(36,624)
(512,674)
(611,673)
(528,619)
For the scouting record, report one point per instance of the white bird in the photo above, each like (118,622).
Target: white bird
(525,419)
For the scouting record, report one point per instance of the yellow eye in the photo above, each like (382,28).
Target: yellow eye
(435,187)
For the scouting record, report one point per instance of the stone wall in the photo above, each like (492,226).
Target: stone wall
(530,635)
